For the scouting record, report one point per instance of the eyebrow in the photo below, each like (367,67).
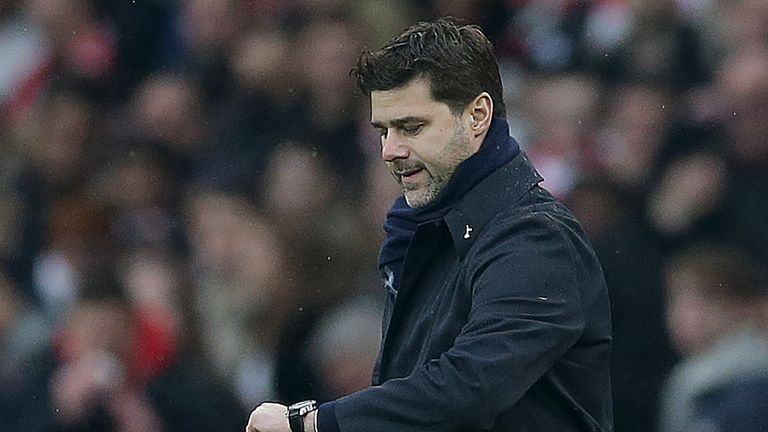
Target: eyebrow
(398,122)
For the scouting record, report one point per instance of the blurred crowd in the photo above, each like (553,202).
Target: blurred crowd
(191,200)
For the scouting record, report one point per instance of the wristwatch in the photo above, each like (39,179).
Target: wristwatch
(297,412)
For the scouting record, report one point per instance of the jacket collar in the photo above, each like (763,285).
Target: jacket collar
(503,188)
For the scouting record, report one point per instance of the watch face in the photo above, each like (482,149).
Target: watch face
(302,408)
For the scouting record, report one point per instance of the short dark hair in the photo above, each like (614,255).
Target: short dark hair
(723,271)
(458,61)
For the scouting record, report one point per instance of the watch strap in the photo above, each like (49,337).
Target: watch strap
(297,412)
(297,423)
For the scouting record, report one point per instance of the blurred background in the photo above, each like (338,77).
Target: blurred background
(191,200)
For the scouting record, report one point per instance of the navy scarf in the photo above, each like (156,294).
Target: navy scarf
(497,149)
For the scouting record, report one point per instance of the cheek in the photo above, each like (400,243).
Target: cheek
(439,147)
(426,146)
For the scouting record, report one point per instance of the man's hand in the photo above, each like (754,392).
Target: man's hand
(270,417)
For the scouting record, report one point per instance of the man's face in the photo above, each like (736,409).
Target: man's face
(422,141)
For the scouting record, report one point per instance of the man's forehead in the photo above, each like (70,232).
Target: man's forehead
(413,100)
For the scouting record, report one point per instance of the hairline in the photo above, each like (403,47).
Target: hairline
(429,80)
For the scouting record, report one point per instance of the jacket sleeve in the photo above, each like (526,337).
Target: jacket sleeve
(526,313)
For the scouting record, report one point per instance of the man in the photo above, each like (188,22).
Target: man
(715,301)
(497,314)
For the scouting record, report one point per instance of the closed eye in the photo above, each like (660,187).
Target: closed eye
(411,130)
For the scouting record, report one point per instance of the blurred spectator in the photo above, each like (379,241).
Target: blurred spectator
(24,50)
(24,332)
(742,22)
(90,384)
(632,135)
(244,291)
(720,189)
(545,36)
(322,234)
(562,110)
(659,48)
(84,47)
(102,372)
(297,187)
(154,286)
(259,64)
(344,347)
(327,51)
(142,198)
(632,263)
(743,81)
(688,191)
(258,114)
(167,112)
(715,297)
(203,32)
(78,240)
(207,27)
(57,143)
(320,227)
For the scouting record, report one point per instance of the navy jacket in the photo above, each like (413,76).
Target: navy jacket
(501,322)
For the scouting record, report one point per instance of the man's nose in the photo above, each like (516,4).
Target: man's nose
(392,147)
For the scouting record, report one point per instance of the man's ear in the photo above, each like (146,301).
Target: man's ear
(481,114)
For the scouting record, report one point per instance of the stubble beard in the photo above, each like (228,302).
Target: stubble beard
(456,151)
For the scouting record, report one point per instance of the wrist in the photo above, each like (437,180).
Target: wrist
(299,418)
(310,422)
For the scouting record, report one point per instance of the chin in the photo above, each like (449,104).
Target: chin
(417,201)
(411,203)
